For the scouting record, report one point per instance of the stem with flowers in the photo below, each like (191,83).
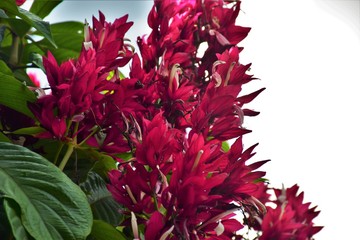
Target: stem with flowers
(153,159)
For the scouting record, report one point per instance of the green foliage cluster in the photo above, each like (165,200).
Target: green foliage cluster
(37,199)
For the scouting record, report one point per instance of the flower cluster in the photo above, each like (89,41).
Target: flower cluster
(86,94)
(291,219)
(174,115)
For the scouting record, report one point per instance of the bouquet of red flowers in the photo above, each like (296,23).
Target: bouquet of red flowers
(150,151)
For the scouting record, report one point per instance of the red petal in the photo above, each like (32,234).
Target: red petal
(248,98)
(250,113)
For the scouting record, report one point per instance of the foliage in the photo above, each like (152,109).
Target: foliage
(102,155)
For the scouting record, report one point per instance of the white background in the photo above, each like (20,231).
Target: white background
(307,55)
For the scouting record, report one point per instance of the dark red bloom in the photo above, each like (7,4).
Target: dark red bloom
(158,143)
(72,83)
(291,219)
(134,195)
(220,113)
(108,41)
(44,112)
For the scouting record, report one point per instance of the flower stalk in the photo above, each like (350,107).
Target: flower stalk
(67,156)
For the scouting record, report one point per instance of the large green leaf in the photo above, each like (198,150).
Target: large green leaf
(30,18)
(18,26)
(104,163)
(42,8)
(52,206)
(5,228)
(102,203)
(42,26)
(70,27)
(14,94)
(14,216)
(104,231)
(68,36)
(4,68)
(9,6)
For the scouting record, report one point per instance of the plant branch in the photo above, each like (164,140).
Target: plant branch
(66,158)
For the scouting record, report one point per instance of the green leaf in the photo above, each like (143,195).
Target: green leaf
(36,22)
(5,38)
(4,68)
(103,165)
(19,26)
(13,213)
(31,18)
(102,203)
(14,94)
(5,228)
(69,27)
(68,36)
(43,8)
(29,131)
(125,156)
(104,231)
(9,6)
(21,75)
(4,138)
(37,59)
(52,206)
(30,49)
(3,14)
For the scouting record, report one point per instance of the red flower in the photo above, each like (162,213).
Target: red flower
(154,226)
(72,83)
(134,195)
(158,143)
(223,229)
(20,2)
(222,22)
(108,41)
(44,112)
(291,219)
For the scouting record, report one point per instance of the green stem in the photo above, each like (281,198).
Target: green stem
(71,146)
(76,128)
(156,202)
(66,158)
(58,152)
(14,54)
(68,125)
